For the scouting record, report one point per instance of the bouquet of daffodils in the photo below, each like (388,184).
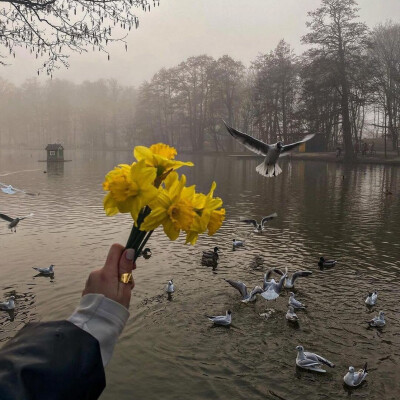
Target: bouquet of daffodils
(153,193)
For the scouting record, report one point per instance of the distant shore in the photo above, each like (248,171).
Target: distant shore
(379,158)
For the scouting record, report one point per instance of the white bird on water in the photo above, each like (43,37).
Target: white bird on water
(371,299)
(8,305)
(291,316)
(237,243)
(13,222)
(290,280)
(241,287)
(295,303)
(224,320)
(378,321)
(170,287)
(311,361)
(45,271)
(259,227)
(354,379)
(269,167)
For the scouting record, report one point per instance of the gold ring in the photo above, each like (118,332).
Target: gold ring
(126,277)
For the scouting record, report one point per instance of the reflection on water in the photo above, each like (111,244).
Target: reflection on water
(169,349)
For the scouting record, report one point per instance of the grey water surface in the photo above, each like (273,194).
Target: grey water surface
(169,350)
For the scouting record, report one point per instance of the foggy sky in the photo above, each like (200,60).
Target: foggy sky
(178,29)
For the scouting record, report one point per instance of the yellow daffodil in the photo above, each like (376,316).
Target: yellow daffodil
(216,219)
(130,187)
(160,156)
(204,206)
(173,209)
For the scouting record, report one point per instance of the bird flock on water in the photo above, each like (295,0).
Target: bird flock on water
(271,288)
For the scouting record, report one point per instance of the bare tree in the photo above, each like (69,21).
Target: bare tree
(54,28)
(341,39)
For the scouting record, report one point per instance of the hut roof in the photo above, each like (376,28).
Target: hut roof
(54,146)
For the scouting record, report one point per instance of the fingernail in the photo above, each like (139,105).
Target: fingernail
(130,254)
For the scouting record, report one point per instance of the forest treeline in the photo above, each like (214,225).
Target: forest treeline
(346,83)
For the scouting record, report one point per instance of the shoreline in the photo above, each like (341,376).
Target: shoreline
(331,157)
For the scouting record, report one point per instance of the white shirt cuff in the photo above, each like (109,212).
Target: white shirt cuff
(103,318)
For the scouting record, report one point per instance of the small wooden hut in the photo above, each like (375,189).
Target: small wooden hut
(55,152)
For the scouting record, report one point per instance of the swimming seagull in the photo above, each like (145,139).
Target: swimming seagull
(170,287)
(291,316)
(371,299)
(272,152)
(355,379)
(224,320)
(237,243)
(241,287)
(13,222)
(378,321)
(8,305)
(45,271)
(289,282)
(259,227)
(274,289)
(311,361)
(295,303)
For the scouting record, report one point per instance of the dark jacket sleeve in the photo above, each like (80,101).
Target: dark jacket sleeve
(51,361)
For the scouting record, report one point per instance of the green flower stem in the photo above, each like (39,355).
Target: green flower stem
(135,240)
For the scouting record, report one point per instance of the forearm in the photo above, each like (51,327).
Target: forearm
(103,318)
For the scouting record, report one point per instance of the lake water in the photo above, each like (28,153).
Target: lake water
(169,350)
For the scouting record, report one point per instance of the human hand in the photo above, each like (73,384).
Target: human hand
(106,281)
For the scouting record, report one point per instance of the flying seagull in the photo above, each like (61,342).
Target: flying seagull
(271,152)
(45,271)
(311,361)
(259,227)
(289,282)
(13,222)
(241,287)
(224,320)
(354,379)
(274,289)
(267,277)
(8,189)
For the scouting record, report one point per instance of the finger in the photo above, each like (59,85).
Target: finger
(126,265)
(112,261)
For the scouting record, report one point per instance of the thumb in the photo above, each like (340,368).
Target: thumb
(126,265)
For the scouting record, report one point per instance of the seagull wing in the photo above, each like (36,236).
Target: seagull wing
(291,146)
(26,216)
(6,217)
(281,282)
(253,144)
(250,221)
(268,218)
(300,274)
(324,360)
(239,286)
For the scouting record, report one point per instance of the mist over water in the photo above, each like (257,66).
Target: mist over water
(169,349)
